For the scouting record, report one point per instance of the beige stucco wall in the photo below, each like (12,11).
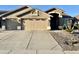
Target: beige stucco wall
(58,11)
(41,15)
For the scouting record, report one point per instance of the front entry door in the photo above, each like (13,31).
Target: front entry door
(54,22)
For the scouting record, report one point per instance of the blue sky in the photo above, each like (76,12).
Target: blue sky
(72,10)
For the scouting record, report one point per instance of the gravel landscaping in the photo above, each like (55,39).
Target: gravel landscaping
(67,41)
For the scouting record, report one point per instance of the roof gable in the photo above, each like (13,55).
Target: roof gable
(54,9)
(2,12)
(20,15)
(14,11)
(77,17)
(24,12)
(35,13)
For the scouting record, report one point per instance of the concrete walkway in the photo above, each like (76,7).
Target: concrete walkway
(35,42)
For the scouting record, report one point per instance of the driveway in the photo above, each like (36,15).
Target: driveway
(34,42)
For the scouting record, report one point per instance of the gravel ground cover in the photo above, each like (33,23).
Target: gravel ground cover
(65,40)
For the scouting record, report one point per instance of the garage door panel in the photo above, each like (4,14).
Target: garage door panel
(35,25)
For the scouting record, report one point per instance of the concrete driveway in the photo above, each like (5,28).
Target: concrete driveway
(34,42)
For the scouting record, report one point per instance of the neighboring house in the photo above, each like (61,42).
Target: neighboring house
(77,19)
(1,12)
(59,18)
(25,18)
(76,22)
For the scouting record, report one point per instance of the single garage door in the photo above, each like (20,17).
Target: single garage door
(35,25)
(12,24)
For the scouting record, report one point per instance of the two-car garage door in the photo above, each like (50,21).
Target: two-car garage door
(35,25)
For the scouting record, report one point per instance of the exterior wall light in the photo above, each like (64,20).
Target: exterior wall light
(3,18)
(19,18)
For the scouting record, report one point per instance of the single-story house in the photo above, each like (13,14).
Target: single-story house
(28,18)
(25,18)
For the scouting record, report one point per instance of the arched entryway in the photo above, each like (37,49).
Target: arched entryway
(54,22)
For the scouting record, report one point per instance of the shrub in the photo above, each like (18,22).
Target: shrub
(69,30)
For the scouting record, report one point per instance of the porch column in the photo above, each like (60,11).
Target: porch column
(3,24)
(19,25)
(48,27)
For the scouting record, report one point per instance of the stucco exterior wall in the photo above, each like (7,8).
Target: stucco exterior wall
(35,15)
(57,11)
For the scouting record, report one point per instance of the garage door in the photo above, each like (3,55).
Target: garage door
(35,24)
(12,24)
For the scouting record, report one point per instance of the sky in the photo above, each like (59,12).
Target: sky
(72,10)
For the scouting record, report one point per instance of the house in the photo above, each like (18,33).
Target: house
(59,18)
(76,22)
(28,18)
(77,19)
(25,18)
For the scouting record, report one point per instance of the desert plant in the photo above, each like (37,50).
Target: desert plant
(69,30)
(77,26)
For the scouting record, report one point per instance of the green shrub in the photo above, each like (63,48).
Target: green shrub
(69,30)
